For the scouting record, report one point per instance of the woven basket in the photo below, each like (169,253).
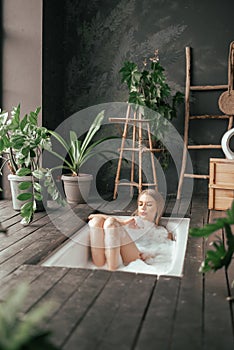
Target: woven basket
(226,99)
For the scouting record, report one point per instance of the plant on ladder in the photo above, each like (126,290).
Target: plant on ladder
(149,88)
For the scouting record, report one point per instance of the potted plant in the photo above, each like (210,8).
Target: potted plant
(76,184)
(148,87)
(21,145)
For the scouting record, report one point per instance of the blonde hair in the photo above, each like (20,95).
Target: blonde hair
(158,199)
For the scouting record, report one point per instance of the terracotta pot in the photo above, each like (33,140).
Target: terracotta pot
(77,188)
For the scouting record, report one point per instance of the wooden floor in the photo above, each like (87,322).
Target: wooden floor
(117,310)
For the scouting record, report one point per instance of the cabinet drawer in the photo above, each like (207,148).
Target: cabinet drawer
(221,183)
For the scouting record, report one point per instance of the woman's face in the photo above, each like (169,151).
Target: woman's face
(147,207)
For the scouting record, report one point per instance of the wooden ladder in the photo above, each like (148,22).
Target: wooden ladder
(188,117)
(137,147)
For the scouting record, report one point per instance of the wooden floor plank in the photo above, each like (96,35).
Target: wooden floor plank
(41,286)
(39,243)
(4,203)
(24,274)
(157,327)
(93,326)
(7,213)
(109,310)
(18,232)
(217,308)
(130,314)
(63,289)
(218,329)
(33,252)
(188,322)
(73,311)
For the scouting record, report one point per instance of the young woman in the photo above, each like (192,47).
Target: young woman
(138,237)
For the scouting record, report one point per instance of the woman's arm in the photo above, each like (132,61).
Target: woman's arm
(91,216)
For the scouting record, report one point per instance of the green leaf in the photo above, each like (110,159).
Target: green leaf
(27,211)
(230,214)
(95,126)
(3,117)
(127,71)
(33,118)
(136,98)
(222,254)
(23,123)
(25,196)
(23,172)
(38,196)
(25,185)
(73,136)
(37,186)
(39,174)
(2,146)
(61,140)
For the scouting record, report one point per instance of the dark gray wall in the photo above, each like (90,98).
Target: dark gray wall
(82,59)
(53,86)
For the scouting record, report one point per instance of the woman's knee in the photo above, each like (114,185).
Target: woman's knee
(110,223)
(96,222)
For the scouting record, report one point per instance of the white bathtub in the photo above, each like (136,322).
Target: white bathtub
(76,253)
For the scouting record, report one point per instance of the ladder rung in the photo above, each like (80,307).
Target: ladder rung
(143,149)
(197,176)
(206,116)
(149,184)
(125,120)
(135,184)
(204,146)
(208,87)
(130,183)
(223,187)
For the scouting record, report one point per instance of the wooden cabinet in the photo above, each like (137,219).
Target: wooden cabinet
(221,184)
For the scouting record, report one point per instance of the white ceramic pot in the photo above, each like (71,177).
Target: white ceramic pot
(15,180)
(77,188)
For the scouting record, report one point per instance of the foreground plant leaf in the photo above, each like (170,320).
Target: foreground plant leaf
(221,255)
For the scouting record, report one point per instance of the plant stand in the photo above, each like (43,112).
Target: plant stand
(137,148)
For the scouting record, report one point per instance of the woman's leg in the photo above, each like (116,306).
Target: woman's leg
(112,243)
(117,241)
(97,241)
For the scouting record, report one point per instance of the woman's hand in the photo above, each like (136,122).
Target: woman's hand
(130,222)
(146,256)
(170,236)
